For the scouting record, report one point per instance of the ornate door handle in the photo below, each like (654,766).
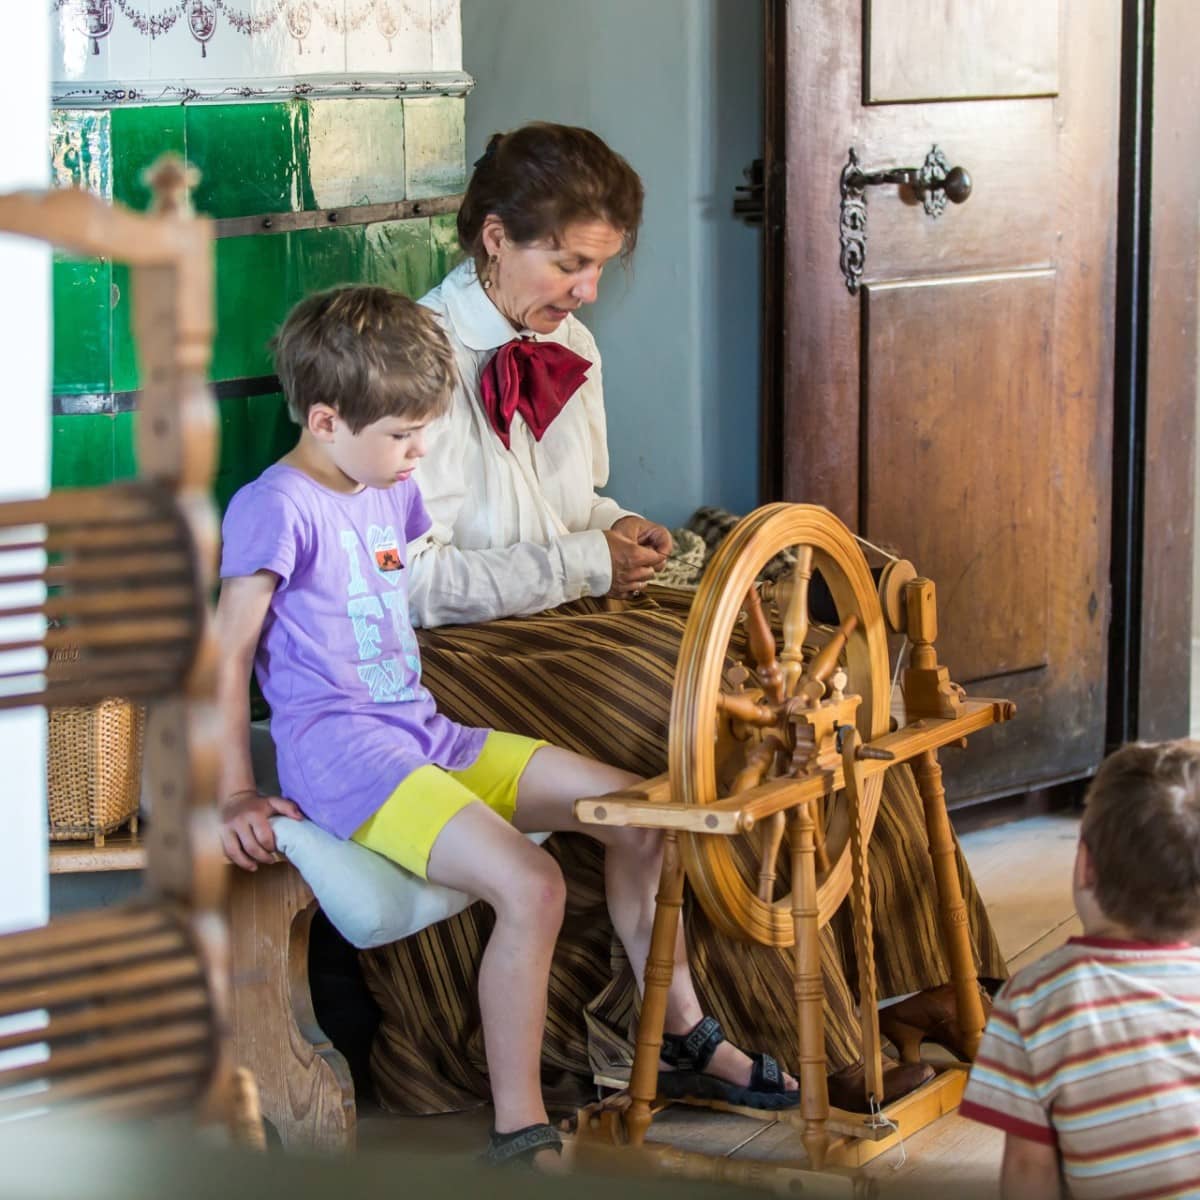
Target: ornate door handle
(935,180)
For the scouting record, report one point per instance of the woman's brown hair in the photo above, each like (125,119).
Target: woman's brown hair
(540,178)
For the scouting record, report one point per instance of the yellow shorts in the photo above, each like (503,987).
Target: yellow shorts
(409,822)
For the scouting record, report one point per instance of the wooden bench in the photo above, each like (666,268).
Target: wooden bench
(304,1083)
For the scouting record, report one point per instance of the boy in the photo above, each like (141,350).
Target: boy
(314,597)
(1091,1060)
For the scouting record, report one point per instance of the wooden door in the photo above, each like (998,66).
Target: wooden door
(958,403)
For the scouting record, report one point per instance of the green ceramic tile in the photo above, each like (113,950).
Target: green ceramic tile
(447,253)
(125,373)
(232,468)
(434,147)
(271,433)
(81,325)
(125,445)
(139,136)
(252,158)
(81,450)
(80,150)
(398,256)
(323,258)
(252,299)
(356,151)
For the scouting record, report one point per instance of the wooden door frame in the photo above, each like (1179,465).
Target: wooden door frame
(1155,394)
(1156,351)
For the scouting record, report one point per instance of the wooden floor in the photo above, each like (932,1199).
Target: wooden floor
(1023,870)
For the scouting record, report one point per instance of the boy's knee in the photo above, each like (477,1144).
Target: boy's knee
(537,892)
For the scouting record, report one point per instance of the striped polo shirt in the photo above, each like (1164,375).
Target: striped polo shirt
(1095,1049)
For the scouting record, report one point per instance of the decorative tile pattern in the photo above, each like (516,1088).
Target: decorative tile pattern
(114,51)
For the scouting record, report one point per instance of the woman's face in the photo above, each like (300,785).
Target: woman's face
(535,285)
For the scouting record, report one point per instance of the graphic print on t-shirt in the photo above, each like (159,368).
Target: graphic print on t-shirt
(387,679)
(385,548)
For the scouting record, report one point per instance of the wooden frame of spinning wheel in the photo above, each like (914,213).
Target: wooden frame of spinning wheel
(686,805)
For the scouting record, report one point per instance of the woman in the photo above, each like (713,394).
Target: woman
(518,528)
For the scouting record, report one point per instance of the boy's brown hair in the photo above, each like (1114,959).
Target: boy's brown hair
(367,352)
(1142,830)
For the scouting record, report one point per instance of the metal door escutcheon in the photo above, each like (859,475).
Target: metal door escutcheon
(935,180)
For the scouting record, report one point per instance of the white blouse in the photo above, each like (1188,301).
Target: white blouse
(514,531)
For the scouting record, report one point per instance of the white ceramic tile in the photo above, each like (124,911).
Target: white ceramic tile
(207,43)
(75,57)
(446,35)
(129,43)
(387,37)
(305,37)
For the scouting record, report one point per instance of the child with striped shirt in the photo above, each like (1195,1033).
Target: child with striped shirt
(1090,1063)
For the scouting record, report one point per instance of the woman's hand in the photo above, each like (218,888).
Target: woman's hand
(246,834)
(633,562)
(646,533)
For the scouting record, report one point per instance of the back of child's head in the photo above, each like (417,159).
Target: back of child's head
(1142,831)
(367,352)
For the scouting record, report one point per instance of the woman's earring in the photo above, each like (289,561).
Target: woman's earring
(491,271)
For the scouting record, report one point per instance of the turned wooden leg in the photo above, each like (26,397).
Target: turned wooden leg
(809,988)
(660,968)
(864,925)
(956,937)
(305,1086)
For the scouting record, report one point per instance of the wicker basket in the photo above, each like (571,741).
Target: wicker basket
(94,769)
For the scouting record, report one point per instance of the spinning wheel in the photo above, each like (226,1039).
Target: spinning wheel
(796,741)
(765,728)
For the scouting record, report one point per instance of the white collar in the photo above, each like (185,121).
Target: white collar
(478,322)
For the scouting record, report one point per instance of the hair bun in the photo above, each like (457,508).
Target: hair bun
(490,153)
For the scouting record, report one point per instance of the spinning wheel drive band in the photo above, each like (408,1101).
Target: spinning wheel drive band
(711,863)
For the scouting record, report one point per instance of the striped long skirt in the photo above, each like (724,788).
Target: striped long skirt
(596,678)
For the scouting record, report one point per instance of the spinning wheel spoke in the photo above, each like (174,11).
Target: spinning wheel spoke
(795,620)
(780,720)
(762,646)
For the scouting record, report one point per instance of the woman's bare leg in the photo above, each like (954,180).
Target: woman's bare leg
(552,782)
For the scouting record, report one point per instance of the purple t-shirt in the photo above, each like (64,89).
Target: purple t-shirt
(337,659)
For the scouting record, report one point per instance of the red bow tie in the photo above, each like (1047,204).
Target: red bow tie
(532,378)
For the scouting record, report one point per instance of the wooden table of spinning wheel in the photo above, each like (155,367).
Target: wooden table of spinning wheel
(796,743)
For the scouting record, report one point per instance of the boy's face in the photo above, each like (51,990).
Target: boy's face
(380,455)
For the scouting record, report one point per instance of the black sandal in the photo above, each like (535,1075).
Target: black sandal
(690,1053)
(521,1146)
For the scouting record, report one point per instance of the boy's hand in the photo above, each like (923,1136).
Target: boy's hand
(246,834)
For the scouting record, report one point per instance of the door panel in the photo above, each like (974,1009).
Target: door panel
(934,50)
(1009,149)
(975,527)
(960,404)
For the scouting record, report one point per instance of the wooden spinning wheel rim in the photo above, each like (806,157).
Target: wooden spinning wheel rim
(730,902)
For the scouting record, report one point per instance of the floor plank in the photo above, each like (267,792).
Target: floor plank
(1023,872)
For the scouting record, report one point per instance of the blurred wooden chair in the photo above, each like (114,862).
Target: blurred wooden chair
(123,1011)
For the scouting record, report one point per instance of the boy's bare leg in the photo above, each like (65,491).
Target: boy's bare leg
(479,853)
(552,782)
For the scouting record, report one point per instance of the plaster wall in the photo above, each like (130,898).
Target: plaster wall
(24,449)
(674,86)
